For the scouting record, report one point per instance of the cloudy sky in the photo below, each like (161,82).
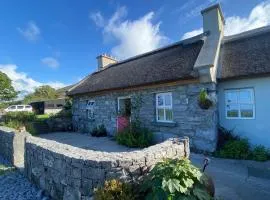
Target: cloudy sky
(57,42)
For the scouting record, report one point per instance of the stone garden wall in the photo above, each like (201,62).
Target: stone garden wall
(188,118)
(12,146)
(70,173)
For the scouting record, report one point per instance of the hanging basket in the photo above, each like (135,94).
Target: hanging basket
(204,100)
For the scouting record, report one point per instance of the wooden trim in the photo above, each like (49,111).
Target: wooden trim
(142,87)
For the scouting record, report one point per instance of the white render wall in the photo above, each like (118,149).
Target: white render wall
(256,130)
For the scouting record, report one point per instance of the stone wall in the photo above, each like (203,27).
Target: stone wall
(12,146)
(70,173)
(189,119)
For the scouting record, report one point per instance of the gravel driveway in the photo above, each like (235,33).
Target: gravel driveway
(14,186)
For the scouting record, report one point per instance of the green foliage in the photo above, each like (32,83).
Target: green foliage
(41,93)
(204,101)
(99,131)
(7,91)
(30,128)
(135,136)
(260,153)
(18,120)
(235,149)
(114,190)
(176,179)
(19,116)
(224,136)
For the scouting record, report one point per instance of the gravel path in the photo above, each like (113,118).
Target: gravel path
(14,186)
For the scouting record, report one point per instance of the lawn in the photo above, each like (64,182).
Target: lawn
(4,169)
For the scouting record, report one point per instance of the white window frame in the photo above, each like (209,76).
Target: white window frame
(238,104)
(164,107)
(90,108)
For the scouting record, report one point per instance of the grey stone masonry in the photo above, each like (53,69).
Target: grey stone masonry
(188,118)
(70,173)
(12,146)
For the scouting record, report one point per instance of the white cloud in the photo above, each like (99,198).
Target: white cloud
(31,32)
(97,18)
(22,82)
(258,17)
(50,62)
(192,33)
(133,37)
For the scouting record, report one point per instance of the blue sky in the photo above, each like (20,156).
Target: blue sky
(56,42)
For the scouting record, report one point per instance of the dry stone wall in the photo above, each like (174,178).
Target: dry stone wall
(12,146)
(70,173)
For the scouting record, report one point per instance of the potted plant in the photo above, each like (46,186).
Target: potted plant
(204,100)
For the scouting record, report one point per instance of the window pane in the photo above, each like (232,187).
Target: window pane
(160,100)
(231,96)
(245,96)
(246,111)
(232,111)
(169,115)
(160,114)
(19,107)
(168,100)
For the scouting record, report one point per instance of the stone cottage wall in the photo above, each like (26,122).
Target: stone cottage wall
(70,173)
(12,146)
(189,119)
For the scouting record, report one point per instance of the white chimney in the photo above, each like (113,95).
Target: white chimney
(213,19)
(213,26)
(104,61)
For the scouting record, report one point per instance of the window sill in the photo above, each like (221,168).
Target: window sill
(165,124)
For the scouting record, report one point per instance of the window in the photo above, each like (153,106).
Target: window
(27,106)
(240,104)
(20,107)
(12,107)
(90,109)
(164,107)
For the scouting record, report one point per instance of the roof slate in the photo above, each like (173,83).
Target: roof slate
(245,57)
(164,65)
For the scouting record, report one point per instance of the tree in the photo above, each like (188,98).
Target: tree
(7,91)
(41,93)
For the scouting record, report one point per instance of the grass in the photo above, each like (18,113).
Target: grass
(43,117)
(4,169)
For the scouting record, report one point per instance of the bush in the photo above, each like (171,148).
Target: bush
(114,190)
(99,131)
(260,153)
(22,117)
(176,179)
(135,136)
(224,136)
(235,149)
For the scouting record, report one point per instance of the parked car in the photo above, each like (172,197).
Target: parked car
(18,108)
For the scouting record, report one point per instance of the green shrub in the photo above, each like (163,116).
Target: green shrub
(260,153)
(135,136)
(30,128)
(235,149)
(19,116)
(176,179)
(224,136)
(99,131)
(114,190)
